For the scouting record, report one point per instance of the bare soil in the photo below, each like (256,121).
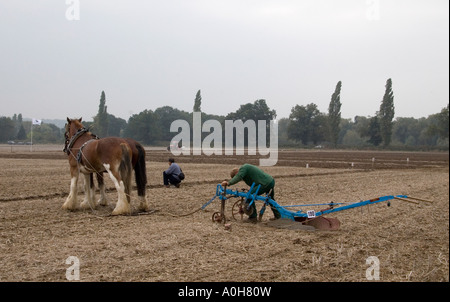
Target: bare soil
(172,243)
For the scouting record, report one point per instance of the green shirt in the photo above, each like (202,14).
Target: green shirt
(251,174)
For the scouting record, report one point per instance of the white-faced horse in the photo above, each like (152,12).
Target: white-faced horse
(90,155)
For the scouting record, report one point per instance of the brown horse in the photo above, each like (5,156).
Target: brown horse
(138,164)
(88,154)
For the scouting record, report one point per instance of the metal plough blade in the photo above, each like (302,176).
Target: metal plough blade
(324,224)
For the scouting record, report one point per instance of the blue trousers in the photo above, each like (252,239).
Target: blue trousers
(170,179)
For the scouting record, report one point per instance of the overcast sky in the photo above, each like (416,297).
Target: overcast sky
(147,54)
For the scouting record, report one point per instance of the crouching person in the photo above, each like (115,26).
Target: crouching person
(173,175)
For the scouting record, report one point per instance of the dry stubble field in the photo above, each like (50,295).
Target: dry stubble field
(411,241)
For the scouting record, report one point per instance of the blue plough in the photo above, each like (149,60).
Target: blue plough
(309,217)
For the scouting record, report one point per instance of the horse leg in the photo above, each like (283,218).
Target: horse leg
(101,186)
(122,206)
(143,205)
(141,178)
(89,192)
(71,201)
(141,182)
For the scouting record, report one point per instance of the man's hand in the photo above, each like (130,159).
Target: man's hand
(224,183)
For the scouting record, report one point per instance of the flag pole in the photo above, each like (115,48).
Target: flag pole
(34,122)
(31,148)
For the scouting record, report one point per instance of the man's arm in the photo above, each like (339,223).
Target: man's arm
(237,178)
(170,170)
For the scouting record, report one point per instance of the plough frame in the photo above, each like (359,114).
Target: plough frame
(249,198)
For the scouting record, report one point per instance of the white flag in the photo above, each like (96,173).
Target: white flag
(36,122)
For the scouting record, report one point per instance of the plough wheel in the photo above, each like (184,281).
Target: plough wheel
(237,211)
(324,224)
(218,217)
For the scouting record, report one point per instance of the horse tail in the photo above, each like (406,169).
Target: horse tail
(125,169)
(140,171)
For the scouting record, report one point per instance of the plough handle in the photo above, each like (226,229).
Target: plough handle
(419,199)
(407,200)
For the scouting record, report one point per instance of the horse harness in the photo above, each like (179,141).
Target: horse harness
(78,134)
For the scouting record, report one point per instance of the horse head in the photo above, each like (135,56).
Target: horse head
(72,127)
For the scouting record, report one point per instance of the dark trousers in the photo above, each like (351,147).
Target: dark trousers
(265,190)
(170,179)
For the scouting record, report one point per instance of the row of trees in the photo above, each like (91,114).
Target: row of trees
(306,125)
(364,132)
(19,131)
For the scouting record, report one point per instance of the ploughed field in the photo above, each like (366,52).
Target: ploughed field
(175,242)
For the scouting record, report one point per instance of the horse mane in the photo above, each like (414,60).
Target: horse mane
(79,125)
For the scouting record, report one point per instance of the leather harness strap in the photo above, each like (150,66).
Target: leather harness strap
(74,138)
(80,151)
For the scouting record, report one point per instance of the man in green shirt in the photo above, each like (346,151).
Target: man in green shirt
(251,174)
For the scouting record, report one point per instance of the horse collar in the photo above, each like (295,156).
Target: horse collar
(74,138)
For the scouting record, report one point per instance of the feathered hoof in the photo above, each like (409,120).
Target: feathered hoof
(86,206)
(69,206)
(102,202)
(118,213)
(144,208)
(143,205)
(123,210)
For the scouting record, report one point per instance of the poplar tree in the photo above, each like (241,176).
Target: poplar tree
(101,119)
(198,102)
(386,114)
(334,115)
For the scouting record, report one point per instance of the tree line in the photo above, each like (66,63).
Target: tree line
(306,126)
(19,131)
